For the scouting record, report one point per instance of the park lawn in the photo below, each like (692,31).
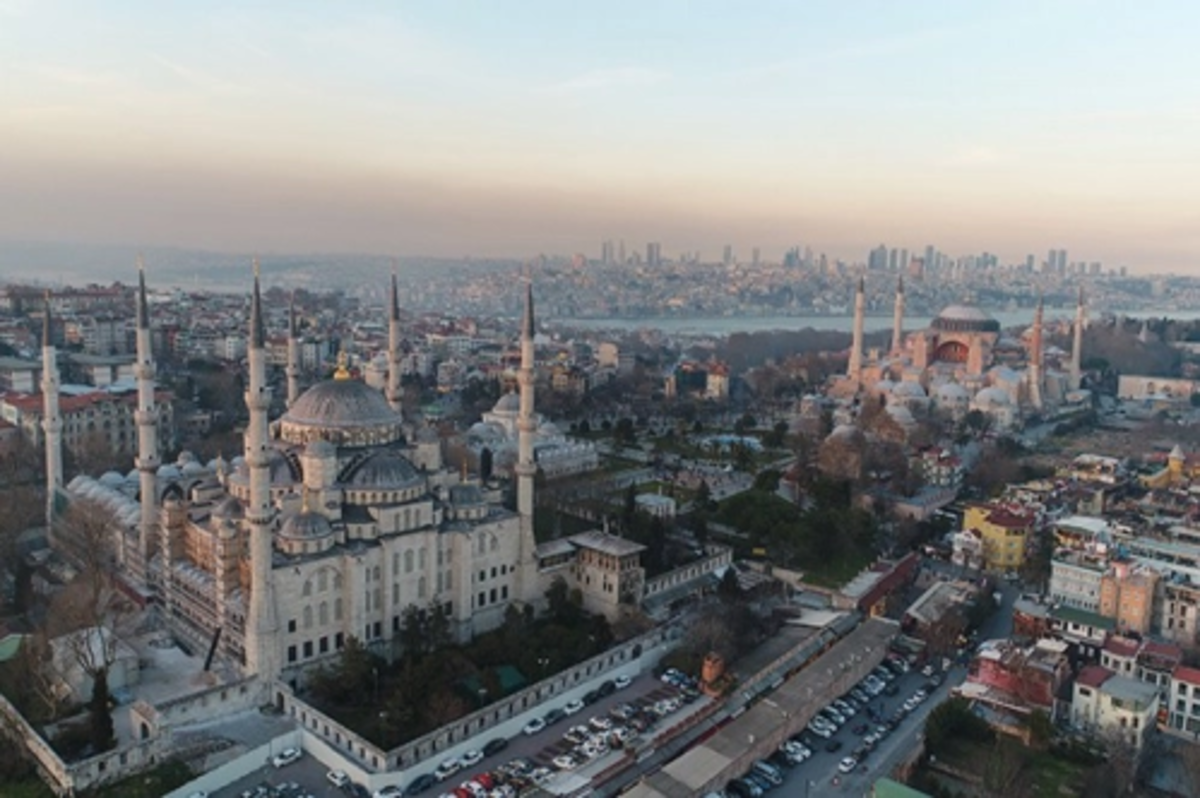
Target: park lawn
(612,464)
(1050,776)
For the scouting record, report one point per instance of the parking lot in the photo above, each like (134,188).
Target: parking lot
(535,754)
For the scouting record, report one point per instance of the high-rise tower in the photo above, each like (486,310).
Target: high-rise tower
(1077,344)
(898,318)
(51,420)
(293,355)
(854,368)
(262,626)
(146,419)
(1035,359)
(395,394)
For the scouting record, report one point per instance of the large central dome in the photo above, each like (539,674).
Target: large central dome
(344,412)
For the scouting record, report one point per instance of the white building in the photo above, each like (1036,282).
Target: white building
(1116,708)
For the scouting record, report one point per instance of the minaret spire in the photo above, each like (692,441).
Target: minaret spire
(526,467)
(146,418)
(1077,344)
(898,318)
(293,355)
(262,626)
(51,420)
(1036,358)
(395,393)
(854,368)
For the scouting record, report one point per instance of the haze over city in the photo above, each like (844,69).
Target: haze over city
(503,130)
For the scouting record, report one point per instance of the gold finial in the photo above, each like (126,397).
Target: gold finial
(343,366)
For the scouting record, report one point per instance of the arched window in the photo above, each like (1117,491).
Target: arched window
(376,573)
(408,561)
(407,518)
(323,613)
(395,563)
(337,608)
(307,591)
(421,588)
(395,594)
(322,581)
(495,543)
(307,617)
(337,581)
(421,558)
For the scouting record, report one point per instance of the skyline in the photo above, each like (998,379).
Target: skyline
(456,128)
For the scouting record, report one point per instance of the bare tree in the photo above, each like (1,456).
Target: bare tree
(89,615)
(1003,770)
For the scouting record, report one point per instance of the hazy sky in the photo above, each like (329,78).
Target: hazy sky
(513,127)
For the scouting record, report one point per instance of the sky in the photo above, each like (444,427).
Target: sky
(450,128)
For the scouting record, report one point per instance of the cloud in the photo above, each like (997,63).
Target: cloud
(615,78)
(198,78)
(975,155)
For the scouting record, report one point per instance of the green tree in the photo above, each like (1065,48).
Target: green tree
(729,588)
(1041,728)
(412,632)
(703,500)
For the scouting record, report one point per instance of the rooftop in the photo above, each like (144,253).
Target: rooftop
(606,543)
(1093,676)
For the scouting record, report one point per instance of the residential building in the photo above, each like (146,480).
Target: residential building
(1127,596)
(1003,532)
(1184,703)
(1115,708)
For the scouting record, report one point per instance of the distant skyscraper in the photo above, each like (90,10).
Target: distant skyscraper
(893,260)
(653,253)
(727,256)
(1030,262)
(621,252)
(930,261)
(877,259)
(754,257)
(606,252)
(902,264)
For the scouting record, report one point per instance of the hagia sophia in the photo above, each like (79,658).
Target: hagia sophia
(961,362)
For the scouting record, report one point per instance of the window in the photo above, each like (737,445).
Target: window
(308,649)
(339,640)
(322,581)
(482,576)
(323,613)
(291,653)
(493,572)
(337,609)
(421,558)
(376,572)
(308,617)
(492,596)
(292,625)
(408,561)
(504,592)
(449,580)
(395,623)
(482,600)
(378,629)
(307,591)
(395,563)
(395,593)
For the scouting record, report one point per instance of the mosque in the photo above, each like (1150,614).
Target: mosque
(329,525)
(959,363)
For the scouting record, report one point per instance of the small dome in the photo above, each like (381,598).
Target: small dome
(282,470)
(992,397)
(965,318)
(230,508)
(185,457)
(133,476)
(952,391)
(909,389)
(383,469)
(1004,374)
(194,469)
(168,471)
(306,526)
(320,448)
(465,495)
(111,479)
(1008,343)
(509,403)
(548,430)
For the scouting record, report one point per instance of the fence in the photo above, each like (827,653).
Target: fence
(718,556)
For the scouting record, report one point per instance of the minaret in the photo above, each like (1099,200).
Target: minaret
(262,628)
(293,355)
(51,420)
(1077,346)
(1035,360)
(528,587)
(394,393)
(898,318)
(854,368)
(146,418)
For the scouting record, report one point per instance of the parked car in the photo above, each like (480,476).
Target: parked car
(447,769)
(573,706)
(495,746)
(534,726)
(420,784)
(337,778)
(391,791)
(622,681)
(286,757)
(607,688)
(848,764)
(554,716)
(471,758)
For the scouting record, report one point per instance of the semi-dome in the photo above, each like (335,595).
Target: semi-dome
(992,397)
(509,403)
(383,470)
(345,412)
(229,507)
(306,526)
(320,448)
(111,479)
(965,318)
(909,389)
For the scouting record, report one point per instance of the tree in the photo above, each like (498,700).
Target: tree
(978,422)
(1004,770)
(1041,728)
(703,500)
(625,433)
(485,464)
(412,631)
(951,721)
(729,588)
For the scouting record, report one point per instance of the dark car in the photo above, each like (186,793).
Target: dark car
(554,716)
(420,784)
(739,789)
(780,761)
(606,689)
(891,689)
(591,696)
(833,745)
(356,790)
(495,746)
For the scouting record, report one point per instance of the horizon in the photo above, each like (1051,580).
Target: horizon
(464,130)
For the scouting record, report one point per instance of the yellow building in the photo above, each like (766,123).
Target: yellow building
(1004,532)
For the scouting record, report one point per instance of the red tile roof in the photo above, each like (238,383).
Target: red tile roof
(1183,673)
(1121,646)
(1093,676)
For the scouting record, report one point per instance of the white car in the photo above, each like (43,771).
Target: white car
(622,681)
(389,792)
(198,794)
(848,764)
(534,726)
(565,762)
(573,706)
(471,758)
(447,769)
(338,778)
(286,757)
(600,723)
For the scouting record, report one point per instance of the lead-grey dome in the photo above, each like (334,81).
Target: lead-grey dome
(306,526)
(345,412)
(382,470)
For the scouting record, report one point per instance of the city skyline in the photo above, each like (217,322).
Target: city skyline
(457,128)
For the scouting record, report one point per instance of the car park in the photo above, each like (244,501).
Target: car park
(286,757)
(420,784)
(848,764)
(738,788)
(389,792)
(758,780)
(767,771)
(471,758)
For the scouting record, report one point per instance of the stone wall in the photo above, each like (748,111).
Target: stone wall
(717,557)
